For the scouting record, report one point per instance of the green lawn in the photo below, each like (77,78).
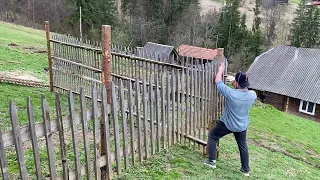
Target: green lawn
(280,132)
(23,59)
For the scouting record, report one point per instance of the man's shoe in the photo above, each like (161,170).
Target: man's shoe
(210,163)
(244,172)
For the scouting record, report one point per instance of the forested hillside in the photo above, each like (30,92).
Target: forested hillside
(244,28)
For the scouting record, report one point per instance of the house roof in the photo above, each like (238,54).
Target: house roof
(197,52)
(159,49)
(289,71)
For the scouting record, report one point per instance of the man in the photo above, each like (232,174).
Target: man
(235,118)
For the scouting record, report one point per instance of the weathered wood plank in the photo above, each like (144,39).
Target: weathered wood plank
(75,140)
(17,139)
(157,106)
(48,136)
(85,132)
(34,141)
(107,133)
(163,112)
(173,85)
(187,118)
(124,125)
(96,133)
(116,128)
(152,115)
(132,132)
(3,160)
(195,114)
(169,133)
(138,108)
(179,102)
(145,119)
(191,104)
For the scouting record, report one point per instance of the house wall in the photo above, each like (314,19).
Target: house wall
(275,100)
(294,109)
(279,102)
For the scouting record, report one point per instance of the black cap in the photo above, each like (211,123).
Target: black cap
(242,79)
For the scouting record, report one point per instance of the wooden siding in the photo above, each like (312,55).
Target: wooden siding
(279,102)
(294,109)
(276,100)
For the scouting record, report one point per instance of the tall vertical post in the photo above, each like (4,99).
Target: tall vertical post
(47,27)
(106,80)
(80,23)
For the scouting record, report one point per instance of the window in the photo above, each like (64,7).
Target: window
(307,107)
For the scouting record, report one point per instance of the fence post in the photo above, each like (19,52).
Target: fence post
(47,28)
(106,80)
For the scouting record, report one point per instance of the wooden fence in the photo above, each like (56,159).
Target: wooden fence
(148,106)
(141,122)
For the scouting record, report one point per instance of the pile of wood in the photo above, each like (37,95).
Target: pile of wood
(22,82)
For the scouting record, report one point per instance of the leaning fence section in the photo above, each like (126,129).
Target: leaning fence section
(143,118)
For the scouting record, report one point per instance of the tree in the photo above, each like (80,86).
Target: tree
(299,25)
(228,26)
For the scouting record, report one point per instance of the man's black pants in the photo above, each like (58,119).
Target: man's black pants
(221,130)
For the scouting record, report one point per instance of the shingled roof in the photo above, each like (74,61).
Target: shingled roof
(289,71)
(161,49)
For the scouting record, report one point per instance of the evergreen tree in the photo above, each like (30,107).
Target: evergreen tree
(257,18)
(228,26)
(95,13)
(299,25)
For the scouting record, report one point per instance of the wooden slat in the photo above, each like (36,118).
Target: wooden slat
(48,135)
(191,121)
(116,128)
(132,132)
(157,106)
(199,111)
(173,85)
(96,133)
(202,88)
(187,118)
(124,125)
(85,133)
(152,115)
(75,140)
(163,112)
(145,119)
(107,133)
(17,139)
(169,133)
(179,124)
(138,108)
(3,160)
(206,90)
(34,141)
(195,114)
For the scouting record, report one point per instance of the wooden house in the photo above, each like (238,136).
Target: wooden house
(289,79)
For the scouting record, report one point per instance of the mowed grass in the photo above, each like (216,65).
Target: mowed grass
(283,133)
(23,59)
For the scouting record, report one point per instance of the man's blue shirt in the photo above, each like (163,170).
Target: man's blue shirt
(238,103)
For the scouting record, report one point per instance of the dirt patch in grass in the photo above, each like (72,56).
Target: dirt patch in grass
(35,49)
(21,76)
(13,44)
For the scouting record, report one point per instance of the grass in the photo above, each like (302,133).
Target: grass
(288,140)
(23,59)
(295,1)
(26,62)
(282,146)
